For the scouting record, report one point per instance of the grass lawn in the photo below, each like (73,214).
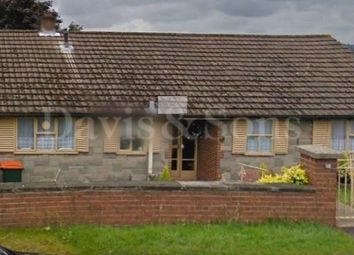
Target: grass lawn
(270,238)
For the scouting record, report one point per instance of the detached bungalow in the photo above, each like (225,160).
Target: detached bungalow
(71,104)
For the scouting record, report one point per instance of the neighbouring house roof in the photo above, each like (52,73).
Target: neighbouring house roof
(350,46)
(222,75)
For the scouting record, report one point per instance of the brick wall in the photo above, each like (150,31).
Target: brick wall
(141,207)
(209,152)
(172,202)
(323,175)
(138,207)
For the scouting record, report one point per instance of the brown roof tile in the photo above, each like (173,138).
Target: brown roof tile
(232,75)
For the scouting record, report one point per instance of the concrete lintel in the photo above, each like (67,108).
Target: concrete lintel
(319,152)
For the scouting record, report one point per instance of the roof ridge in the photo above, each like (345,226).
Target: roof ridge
(179,33)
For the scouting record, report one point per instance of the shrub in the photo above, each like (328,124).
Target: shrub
(264,170)
(165,175)
(343,164)
(271,178)
(293,175)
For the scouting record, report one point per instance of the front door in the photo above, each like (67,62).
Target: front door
(184,153)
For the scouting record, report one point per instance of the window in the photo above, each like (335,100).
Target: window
(338,134)
(343,135)
(66,134)
(25,134)
(351,135)
(260,136)
(131,136)
(45,134)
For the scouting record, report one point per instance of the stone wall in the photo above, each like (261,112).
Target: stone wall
(300,133)
(98,166)
(171,202)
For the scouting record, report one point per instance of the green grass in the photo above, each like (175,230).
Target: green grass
(270,238)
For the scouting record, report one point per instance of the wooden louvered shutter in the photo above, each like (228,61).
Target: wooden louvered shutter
(157,138)
(111,137)
(82,135)
(321,134)
(239,136)
(281,137)
(7,134)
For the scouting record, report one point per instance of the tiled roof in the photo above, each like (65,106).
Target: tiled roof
(223,75)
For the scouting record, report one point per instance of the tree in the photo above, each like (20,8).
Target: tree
(24,14)
(73,27)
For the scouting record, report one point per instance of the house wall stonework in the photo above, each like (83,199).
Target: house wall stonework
(99,166)
(86,167)
(300,132)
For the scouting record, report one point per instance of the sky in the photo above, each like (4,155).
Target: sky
(335,17)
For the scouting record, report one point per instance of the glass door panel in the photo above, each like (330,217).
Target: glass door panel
(174,165)
(188,162)
(187,165)
(183,158)
(188,148)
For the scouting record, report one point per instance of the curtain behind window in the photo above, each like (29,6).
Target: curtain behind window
(351,137)
(25,133)
(45,142)
(338,134)
(257,142)
(45,134)
(65,133)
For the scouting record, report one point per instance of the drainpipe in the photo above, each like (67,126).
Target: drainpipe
(151,110)
(150,156)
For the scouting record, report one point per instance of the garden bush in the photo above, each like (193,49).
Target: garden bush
(292,175)
(343,164)
(165,175)
(264,170)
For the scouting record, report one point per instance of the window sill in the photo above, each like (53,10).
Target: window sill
(130,153)
(46,152)
(259,154)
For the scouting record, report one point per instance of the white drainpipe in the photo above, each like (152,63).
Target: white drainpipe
(150,156)
(152,110)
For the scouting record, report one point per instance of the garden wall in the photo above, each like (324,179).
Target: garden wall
(154,202)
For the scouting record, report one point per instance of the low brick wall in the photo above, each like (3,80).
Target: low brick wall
(168,204)
(154,202)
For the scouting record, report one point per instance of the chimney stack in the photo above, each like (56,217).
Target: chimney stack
(66,38)
(66,47)
(48,22)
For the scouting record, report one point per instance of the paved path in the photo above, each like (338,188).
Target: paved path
(349,231)
(345,216)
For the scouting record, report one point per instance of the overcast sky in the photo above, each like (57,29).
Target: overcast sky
(334,17)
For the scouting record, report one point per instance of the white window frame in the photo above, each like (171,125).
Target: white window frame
(55,150)
(130,150)
(259,136)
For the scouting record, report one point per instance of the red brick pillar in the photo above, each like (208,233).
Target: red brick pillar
(209,152)
(321,166)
